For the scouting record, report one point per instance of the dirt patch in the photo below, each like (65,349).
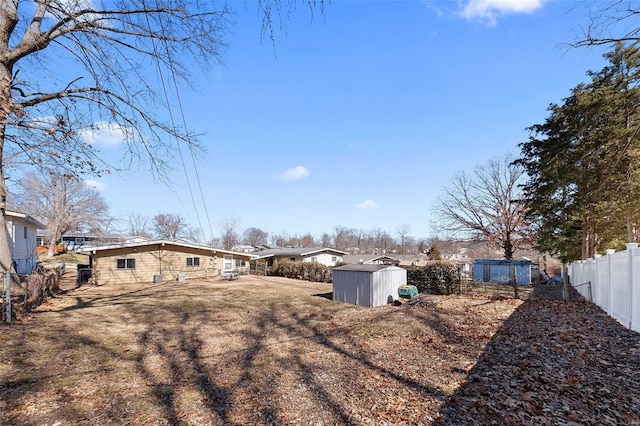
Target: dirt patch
(252,351)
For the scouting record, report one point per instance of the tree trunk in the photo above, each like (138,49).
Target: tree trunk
(5,109)
(508,249)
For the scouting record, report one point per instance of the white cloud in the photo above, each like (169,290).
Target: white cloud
(367,204)
(104,133)
(489,10)
(96,185)
(296,173)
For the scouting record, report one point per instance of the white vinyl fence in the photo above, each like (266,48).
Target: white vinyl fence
(612,282)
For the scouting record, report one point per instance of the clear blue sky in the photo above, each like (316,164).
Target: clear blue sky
(361,117)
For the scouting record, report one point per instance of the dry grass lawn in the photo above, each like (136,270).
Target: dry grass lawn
(251,351)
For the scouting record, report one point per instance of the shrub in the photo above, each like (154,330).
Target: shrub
(308,271)
(435,278)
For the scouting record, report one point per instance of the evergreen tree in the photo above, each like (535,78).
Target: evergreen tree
(583,162)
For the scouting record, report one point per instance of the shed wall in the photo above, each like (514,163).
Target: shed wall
(352,287)
(385,285)
(501,272)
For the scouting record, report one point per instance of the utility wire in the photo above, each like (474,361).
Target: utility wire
(166,95)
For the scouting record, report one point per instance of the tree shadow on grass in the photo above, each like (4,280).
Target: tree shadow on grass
(552,362)
(274,360)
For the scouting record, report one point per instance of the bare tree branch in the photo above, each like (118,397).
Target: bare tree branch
(486,205)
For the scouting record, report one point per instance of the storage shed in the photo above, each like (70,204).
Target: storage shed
(367,285)
(502,271)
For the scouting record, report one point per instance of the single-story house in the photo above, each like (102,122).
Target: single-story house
(75,240)
(369,259)
(161,260)
(22,230)
(367,285)
(324,255)
(408,261)
(243,248)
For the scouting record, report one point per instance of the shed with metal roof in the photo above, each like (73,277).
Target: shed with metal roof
(367,285)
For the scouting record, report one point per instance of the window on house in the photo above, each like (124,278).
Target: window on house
(25,232)
(334,258)
(240,263)
(293,259)
(193,261)
(314,259)
(228,262)
(125,264)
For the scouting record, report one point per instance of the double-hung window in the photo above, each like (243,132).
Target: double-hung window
(193,261)
(125,264)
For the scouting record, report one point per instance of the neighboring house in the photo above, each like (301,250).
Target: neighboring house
(161,260)
(369,259)
(367,285)
(407,261)
(22,230)
(244,248)
(413,262)
(324,255)
(73,241)
(261,247)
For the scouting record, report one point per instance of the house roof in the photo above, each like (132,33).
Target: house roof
(30,220)
(300,251)
(184,244)
(267,246)
(368,258)
(364,268)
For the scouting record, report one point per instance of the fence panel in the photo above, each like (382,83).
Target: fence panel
(601,283)
(619,286)
(635,289)
(615,283)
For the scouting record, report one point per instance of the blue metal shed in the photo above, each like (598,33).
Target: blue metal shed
(501,271)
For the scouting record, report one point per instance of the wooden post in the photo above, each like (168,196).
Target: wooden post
(565,281)
(7,286)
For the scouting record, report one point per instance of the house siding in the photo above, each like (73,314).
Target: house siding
(324,258)
(23,250)
(167,261)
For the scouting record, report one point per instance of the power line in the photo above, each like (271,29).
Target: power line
(177,94)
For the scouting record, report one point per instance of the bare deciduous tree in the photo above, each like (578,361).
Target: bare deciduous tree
(341,237)
(306,240)
(61,202)
(610,22)
(254,236)
(486,205)
(383,242)
(139,225)
(70,68)
(403,232)
(229,237)
(325,240)
(47,109)
(170,226)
